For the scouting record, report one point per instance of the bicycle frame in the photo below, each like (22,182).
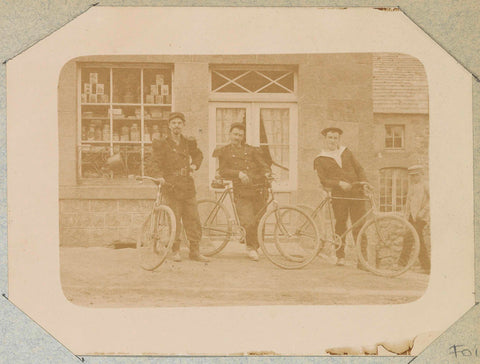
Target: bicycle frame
(228,191)
(328,200)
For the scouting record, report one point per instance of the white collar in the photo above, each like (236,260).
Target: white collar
(334,154)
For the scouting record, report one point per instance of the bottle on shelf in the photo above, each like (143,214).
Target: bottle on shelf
(125,134)
(156,132)
(84,132)
(98,133)
(134,133)
(91,132)
(106,132)
(115,136)
(146,135)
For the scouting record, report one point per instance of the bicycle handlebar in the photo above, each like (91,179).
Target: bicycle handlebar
(223,182)
(157,181)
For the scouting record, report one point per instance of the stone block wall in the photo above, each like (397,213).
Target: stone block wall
(101,222)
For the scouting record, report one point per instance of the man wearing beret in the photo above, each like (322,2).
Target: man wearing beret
(248,170)
(338,170)
(174,158)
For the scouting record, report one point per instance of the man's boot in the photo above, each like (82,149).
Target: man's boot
(195,253)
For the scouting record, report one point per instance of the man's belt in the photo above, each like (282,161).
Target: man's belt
(185,172)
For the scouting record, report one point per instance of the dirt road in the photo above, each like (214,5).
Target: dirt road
(104,277)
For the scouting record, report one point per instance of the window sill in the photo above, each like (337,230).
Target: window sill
(134,191)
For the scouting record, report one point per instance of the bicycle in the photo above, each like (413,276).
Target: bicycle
(381,239)
(282,230)
(157,233)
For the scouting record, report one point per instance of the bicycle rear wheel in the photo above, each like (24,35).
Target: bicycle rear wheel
(216,227)
(387,245)
(288,237)
(156,237)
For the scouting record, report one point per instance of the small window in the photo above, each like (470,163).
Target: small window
(394,136)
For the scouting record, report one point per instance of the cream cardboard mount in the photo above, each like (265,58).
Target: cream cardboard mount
(33,230)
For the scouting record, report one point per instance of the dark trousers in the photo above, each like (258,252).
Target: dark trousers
(248,208)
(186,212)
(342,209)
(423,255)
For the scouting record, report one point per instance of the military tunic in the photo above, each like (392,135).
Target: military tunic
(246,159)
(249,198)
(172,162)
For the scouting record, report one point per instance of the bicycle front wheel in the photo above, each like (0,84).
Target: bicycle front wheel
(156,237)
(288,237)
(216,227)
(387,245)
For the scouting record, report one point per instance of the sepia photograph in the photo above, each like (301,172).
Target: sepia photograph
(244,180)
(240,188)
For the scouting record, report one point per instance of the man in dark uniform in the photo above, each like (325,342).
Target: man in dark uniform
(338,169)
(174,158)
(246,167)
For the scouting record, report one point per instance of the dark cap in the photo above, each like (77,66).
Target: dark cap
(333,129)
(176,115)
(237,126)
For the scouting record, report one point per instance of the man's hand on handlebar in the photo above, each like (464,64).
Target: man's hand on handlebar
(243,177)
(345,185)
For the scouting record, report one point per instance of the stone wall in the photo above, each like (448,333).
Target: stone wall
(101,222)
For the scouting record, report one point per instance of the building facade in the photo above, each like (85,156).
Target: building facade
(110,106)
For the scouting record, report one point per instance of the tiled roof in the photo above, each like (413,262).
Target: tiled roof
(399,84)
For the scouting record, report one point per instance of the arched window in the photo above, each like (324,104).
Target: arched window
(393,189)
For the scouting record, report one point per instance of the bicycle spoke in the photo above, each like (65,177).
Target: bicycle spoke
(387,245)
(289,237)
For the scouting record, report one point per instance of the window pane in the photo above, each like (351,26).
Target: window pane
(274,138)
(157,84)
(273,88)
(126,85)
(224,118)
(231,87)
(288,81)
(253,81)
(95,85)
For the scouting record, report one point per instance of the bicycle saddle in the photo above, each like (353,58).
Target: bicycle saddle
(218,184)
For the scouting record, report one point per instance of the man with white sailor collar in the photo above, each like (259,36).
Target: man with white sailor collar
(338,170)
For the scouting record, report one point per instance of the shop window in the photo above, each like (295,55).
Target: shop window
(123,107)
(394,136)
(393,189)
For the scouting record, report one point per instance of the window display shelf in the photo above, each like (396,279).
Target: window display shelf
(125,104)
(125,123)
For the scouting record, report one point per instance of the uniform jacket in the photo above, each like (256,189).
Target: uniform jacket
(330,172)
(245,159)
(172,162)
